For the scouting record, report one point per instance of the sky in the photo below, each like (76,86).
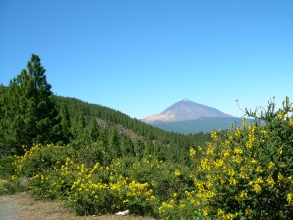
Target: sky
(140,57)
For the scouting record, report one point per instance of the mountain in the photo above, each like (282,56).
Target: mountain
(204,124)
(184,110)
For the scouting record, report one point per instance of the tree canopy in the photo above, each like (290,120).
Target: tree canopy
(28,110)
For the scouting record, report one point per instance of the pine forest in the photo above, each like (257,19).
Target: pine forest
(97,160)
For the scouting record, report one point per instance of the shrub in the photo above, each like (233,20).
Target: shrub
(89,185)
(249,173)
(243,173)
(9,183)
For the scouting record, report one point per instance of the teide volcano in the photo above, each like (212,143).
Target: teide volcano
(185,110)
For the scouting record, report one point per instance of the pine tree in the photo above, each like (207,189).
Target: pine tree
(127,147)
(3,147)
(30,115)
(114,148)
(77,126)
(139,149)
(64,135)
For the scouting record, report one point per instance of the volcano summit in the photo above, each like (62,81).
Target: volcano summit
(185,110)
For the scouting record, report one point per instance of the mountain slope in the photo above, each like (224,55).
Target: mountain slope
(185,110)
(204,124)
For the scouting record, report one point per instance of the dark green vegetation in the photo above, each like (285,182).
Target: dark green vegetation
(30,113)
(97,160)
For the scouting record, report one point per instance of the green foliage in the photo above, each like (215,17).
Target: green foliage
(64,134)
(103,161)
(28,109)
(109,118)
(247,174)
(85,182)
(9,183)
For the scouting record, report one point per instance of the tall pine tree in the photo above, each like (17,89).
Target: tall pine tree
(30,114)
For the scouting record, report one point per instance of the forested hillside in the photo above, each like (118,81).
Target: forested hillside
(150,138)
(30,113)
(97,160)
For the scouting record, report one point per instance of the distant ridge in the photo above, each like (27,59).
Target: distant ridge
(184,110)
(204,124)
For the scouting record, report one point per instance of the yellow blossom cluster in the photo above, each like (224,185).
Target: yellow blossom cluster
(234,176)
(240,165)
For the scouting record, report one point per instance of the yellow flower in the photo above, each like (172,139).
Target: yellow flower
(220,212)
(182,206)
(259,169)
(151,198)
(242,196)
(282,115)
(238,150)
(271,181)
(214,136)
(248,211)
(227,142)
(271,166)
(192,152)
(228,216)
(259,180)
(237,132)
(210,150)
(226,153)
(257,188)
(177,173)
(161,210)
(233,181)
(280,177)
(290,198)
(231,172)
(219,163)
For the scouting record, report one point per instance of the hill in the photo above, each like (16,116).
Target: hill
(129,131)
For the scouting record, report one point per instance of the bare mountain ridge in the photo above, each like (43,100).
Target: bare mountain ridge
(185,110)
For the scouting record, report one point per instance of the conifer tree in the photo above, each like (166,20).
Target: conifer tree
(127,148)
(139,149)
(78,125)
(114,149)
(2,125)
(28,108)
(93,130)
(65,134)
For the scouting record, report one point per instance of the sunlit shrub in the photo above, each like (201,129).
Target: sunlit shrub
(10,183)
(248,174)
(90,185)
(244,173)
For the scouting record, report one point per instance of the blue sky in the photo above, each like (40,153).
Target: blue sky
(140,57)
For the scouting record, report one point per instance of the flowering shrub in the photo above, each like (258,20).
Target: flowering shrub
(91,186)
(9,183)
(244,173)
(249,172)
